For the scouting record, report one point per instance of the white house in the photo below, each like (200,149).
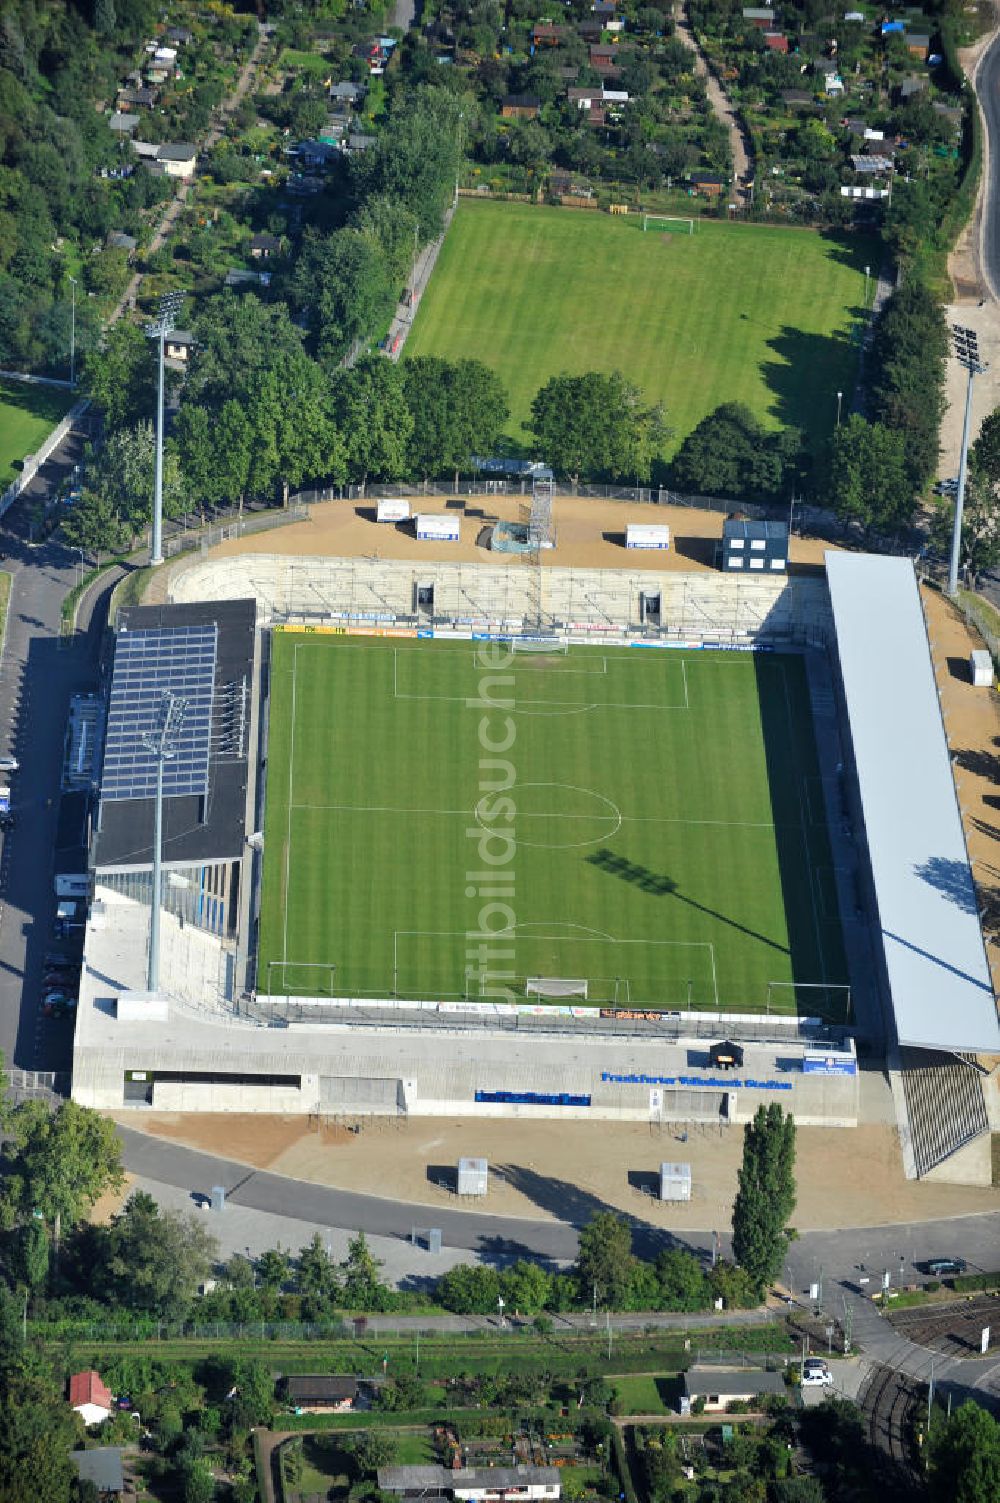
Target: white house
(721,1386)
(178,159)
(472,1484)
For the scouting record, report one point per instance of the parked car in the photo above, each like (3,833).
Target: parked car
(58,1007)
(57,998)
(9,764)
(816,1377)
(945,1268)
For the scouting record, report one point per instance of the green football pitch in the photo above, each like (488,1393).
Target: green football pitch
(670,846)
(733,313)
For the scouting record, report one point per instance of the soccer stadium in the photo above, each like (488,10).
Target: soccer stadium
(511,840)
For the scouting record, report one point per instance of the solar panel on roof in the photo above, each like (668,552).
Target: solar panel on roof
(149,665)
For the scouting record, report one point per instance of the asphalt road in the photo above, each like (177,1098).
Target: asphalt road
(37,679)
(988,89)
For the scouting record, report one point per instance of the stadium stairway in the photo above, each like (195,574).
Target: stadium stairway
(945,1104)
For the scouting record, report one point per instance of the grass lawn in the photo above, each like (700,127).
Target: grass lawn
(734,313)
(413,1449)
(642,1394)
(671,842)
(27,416)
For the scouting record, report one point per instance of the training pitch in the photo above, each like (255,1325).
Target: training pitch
(27,416)
(671,847)
(732,313)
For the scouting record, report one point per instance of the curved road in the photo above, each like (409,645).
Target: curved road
(987,81)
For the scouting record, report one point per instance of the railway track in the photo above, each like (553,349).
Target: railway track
(954,1329)
(887,1400)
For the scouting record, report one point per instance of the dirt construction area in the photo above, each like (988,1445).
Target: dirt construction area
(590,534)
(568,1171)
(972,722)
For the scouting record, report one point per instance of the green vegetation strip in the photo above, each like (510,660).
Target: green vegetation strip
(732,313)
(71,603)
(672,845)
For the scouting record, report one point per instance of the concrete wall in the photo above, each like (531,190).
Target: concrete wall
(702,604)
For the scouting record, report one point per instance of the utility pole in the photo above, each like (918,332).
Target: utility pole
(162,743)
(966,343)
(72,334)
(158,329)
(609,1334)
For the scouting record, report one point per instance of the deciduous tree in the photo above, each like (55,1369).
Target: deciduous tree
(61,1162)
(965,1457)
(868,479)
(596,427)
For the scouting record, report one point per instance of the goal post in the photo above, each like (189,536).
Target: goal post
(668,219)
(828,1000)
(540,645)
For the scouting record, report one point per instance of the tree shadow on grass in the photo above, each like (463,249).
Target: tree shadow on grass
(807,372)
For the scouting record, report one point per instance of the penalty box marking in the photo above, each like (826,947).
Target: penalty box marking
(599,939)
(549,706)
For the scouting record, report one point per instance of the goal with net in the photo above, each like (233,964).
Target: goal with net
(654,219)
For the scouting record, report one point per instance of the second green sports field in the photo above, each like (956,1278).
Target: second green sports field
(669,843)
(733,313)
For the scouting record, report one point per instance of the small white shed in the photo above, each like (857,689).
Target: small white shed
(675,1181)
(981,669)
(644,535)
(473,1176)
(393,511)
(437,528)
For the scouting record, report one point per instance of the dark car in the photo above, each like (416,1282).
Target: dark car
(945,1268)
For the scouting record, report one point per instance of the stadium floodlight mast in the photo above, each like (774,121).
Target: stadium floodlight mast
(158,328)
(966,342)
(161,741)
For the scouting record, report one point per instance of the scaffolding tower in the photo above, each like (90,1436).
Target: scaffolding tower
(540,520)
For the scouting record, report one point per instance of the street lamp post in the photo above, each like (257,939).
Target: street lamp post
(868,272)
(158,329)
(966,342)
(840,398)
(72,334)
(162,742)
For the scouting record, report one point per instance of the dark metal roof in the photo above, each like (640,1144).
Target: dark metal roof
(745,527)
(321,1389)
(102,1466)
(195,829)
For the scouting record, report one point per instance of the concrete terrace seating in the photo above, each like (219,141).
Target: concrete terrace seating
(944,1102)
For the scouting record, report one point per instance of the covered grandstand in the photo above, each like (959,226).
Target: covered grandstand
(934,980)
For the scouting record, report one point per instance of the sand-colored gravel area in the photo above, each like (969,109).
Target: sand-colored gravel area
(541,1170)
(590,534)
(972,721)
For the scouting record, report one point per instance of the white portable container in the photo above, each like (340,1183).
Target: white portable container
(643,535)
(393,511)
(437,528)
(981,669)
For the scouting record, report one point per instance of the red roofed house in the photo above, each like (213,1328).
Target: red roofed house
(90,1398)
(776,41)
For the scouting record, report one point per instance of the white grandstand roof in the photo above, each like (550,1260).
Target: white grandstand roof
(942,995)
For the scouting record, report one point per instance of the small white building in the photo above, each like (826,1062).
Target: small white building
(981,669)
(473,1176)
(393,510)
(721,1386)
(435,528)
(178,159)
(473,1484)
(643,535)
(675,1181)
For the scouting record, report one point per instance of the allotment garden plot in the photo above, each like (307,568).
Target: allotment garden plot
(669,846)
